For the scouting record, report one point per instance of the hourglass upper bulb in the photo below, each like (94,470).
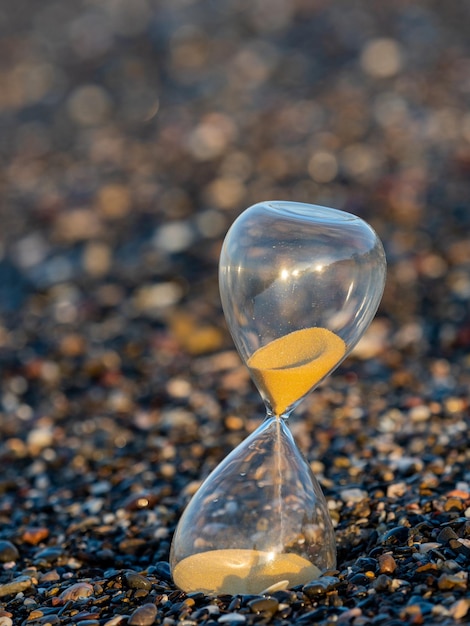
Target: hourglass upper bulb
(299,285)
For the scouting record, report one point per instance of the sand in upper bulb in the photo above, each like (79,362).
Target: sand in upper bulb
(241,571)
(288,367)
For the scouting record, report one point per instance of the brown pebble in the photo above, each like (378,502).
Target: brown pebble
(387,564)
(51,576)
(453,581)
(143,616)
(460,608)
(34,535)
(76,591)
(454,504)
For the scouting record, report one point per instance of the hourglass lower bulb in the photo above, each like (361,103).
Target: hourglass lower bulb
(299,285)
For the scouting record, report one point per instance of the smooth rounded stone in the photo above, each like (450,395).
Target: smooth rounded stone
(48,554)
(15,586)
(231,618)
(320,586)
(382,583)
(387,564)
(8,551)
(137,581)
(76,591)
(143,616)
(359,579)
(270,605)
(396,536)
(6,621)
(162,571)
(460,608)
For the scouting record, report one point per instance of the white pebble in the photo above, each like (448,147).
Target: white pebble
(353,495)
(232,618)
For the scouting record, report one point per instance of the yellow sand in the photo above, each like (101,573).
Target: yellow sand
(241,571)
(288,367)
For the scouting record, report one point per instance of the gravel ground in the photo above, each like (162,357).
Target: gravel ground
(131,135)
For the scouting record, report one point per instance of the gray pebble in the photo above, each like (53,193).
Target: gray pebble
(143,616)
(270,605)
(8,551)
(137,581)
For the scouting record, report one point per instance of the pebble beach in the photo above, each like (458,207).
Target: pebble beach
(132,134)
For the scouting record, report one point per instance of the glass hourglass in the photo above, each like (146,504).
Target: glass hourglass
(299,285)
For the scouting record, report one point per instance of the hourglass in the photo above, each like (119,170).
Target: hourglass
(299,285)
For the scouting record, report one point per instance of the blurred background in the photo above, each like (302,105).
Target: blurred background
(132,133)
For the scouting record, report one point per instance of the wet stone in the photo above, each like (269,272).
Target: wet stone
(8,551)
(396,536)
(143,616)
(268,605)
(162,571)
(137,581)
(320,586)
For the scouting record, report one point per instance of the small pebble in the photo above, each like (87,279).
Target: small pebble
(387,564)
(397,535)
(268,605)
(453,581)
(143,616)
(460,608)
(76,591)
(231,618)
(320,586)
(136,581)
(353,495)
(15,586)
(8,552)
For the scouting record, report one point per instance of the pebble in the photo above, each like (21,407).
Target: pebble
(268,605)
(387,563)
(397,535)
(121,387)
(232,618)
(76,591)
(460,608)
(143,616)
(15,586)
(320,586)
(8,551)
(453,581)
(6,621)
(136,581)
(353,495)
